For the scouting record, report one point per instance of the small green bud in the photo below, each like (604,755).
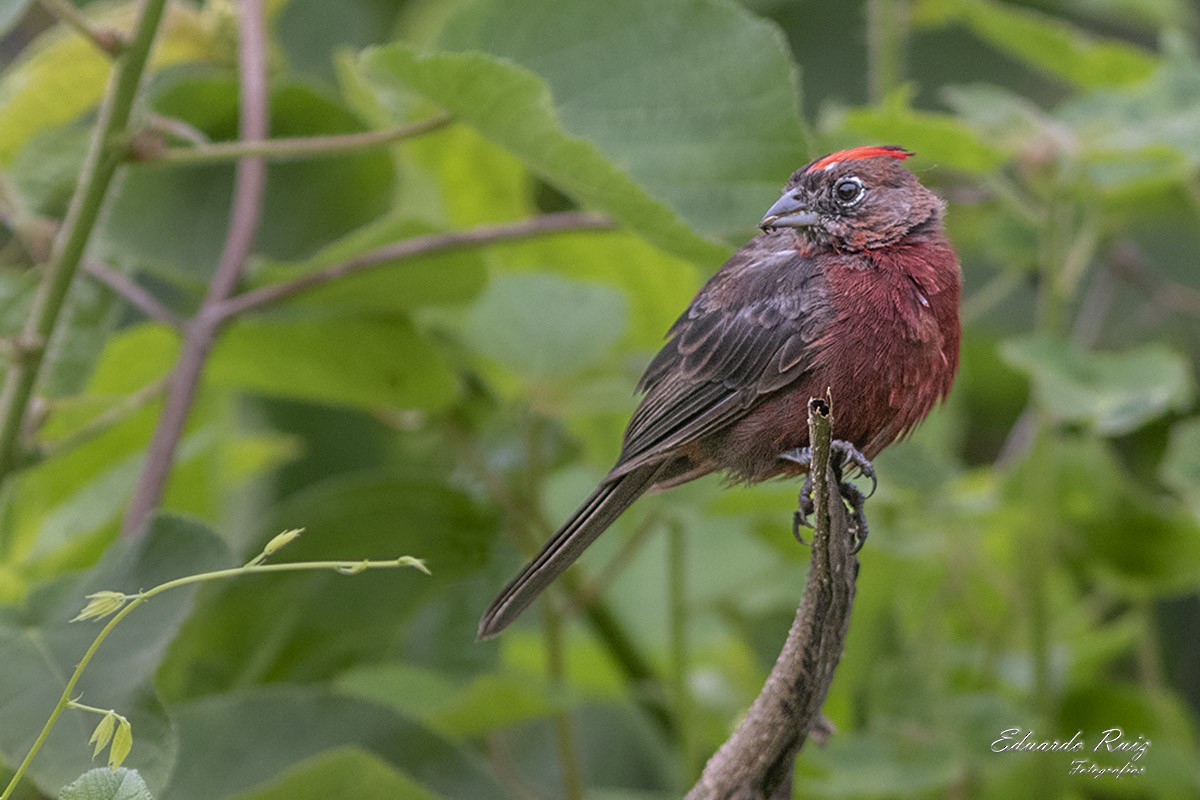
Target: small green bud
(281,541)
(101,605)
(121,745)
(354,569)
(415,563)
(103,733)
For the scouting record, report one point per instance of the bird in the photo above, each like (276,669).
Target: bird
(851,289)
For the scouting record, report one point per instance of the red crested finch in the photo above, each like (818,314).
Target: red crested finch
(851,287)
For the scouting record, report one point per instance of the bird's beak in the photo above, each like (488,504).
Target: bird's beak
(789,211)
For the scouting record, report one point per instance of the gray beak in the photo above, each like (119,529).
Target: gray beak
(789,211)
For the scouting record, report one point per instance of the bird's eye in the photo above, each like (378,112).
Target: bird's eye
(849,191)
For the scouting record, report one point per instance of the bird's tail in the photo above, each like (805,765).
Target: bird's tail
(590,520)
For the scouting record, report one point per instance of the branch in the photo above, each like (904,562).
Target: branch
(102,423)
(249,181)
(107,41)
(95,178)
(285,149)
(1130,263)
(757,760)
(412,248)
(128,289)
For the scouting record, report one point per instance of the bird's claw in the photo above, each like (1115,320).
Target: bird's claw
(851,494)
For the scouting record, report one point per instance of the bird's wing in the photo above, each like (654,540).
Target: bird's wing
(749,332)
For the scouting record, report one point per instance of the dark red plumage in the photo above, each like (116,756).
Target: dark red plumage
(851,287)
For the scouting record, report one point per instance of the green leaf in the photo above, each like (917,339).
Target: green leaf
(869,765)
(476,181)
(486,703)
(1113,392)
(413,691)
(492,702)
(1129,714)
(655,286)
(1158,117)
(1099,508)
(122,744)
(447,278)
(471,86)
(60,75)
(285,726)
(721,112)
(544,327)
(46,169)
(342,772)
(1180,468)
(132,359)
(104,731)
(312,32)
(936,138)
(319,623)
(40,647)
(1004,119)
(571,98)
(172,219)
(107,784)
(367,363)
(1044,42)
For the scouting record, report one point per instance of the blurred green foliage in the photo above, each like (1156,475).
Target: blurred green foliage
(1035,557)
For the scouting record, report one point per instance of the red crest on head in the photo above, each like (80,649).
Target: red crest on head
(858,154)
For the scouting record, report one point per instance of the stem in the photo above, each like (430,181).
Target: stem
(74,705)
(99,166)
(553,628)
(64,699)
(294,148)
(1149,648)
(128,289)
(249,181)
(564,735)
(677,603)
(634,666)
(565,222)
(758,759)
(106,40)
(887,35)
(121,411)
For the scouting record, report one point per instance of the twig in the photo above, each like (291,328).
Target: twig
(636,668)
(1129,262)
(290,149)
(249,181)
(120,605)
(887,39)
(161,125)
(137,297)
(412,248)
(757,760)
(118,413)
(106,40)
(99,166)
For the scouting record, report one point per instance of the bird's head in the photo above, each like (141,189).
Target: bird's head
(856,199)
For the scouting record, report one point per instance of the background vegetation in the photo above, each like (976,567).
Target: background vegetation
(1035,555)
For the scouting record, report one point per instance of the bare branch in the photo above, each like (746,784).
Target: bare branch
(95,178)
(249,181)
(757,760)
(104,422)
(287,149)
(128,289)
(412,248)
(107,41)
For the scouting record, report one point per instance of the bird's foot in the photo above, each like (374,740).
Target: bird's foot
(851,458)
